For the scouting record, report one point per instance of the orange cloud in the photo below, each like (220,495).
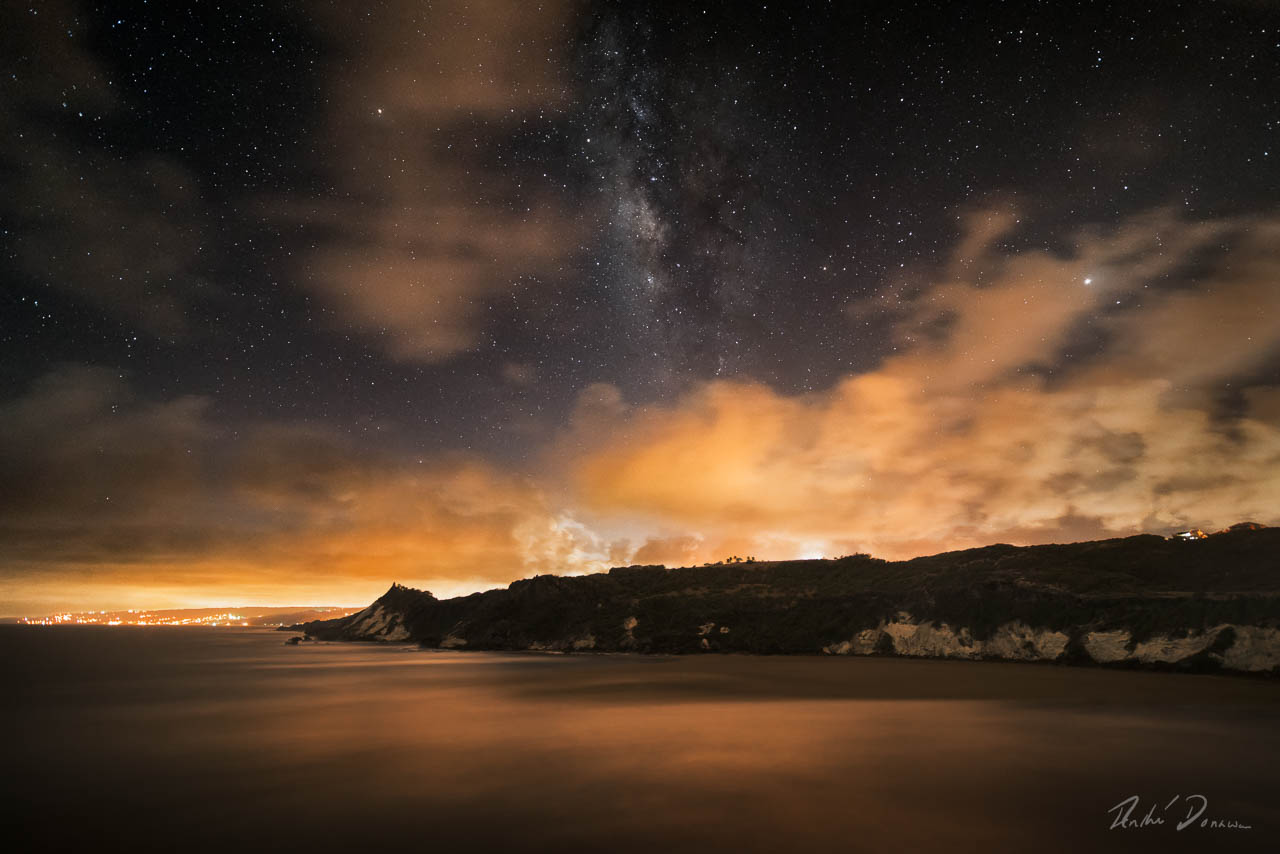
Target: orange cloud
(996,424)
(109,496)
(1023,404)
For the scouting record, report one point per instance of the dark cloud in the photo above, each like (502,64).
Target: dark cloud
(106,489)
(308,296)
(123,231)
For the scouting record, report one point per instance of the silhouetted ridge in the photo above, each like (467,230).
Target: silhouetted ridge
(1145,600)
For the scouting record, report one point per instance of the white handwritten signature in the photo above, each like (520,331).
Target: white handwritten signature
(1195,806)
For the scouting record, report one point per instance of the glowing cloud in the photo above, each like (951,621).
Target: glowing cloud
(985,427)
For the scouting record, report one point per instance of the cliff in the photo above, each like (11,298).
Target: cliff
(1204,604)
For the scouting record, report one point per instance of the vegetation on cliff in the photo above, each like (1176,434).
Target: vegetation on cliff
(1144,586)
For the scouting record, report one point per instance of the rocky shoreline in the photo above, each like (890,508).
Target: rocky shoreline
(1202,606)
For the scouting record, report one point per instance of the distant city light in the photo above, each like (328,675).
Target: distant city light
(101,618)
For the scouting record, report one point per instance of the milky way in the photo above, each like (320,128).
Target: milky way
(307,298)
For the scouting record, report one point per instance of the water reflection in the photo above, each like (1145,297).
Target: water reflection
(228,738)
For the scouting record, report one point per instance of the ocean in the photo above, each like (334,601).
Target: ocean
(217,738)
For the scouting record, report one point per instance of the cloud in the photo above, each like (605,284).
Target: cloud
(1033,397)
(426,222)
(121,231)
(1126,384)
(679,550)
(107,491)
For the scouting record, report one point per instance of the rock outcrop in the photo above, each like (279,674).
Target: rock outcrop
(1203,605)
(384,620)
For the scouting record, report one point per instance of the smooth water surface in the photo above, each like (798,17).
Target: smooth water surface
(184,739)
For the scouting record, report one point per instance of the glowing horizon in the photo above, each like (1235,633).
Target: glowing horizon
(507,296)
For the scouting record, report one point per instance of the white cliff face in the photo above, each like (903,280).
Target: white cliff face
(1106,647)
(376,623)
(1020,642)
(927,639)
(1253,648)
(1240,648)
(1012,641)
(863,643)
(1162,648)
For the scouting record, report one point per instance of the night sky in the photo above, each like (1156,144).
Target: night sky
(303,298)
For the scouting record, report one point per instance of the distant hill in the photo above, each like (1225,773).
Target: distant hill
(1198,604)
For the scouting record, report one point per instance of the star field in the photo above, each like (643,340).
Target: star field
(315,248)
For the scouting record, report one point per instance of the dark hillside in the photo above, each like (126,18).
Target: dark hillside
(1068,596)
